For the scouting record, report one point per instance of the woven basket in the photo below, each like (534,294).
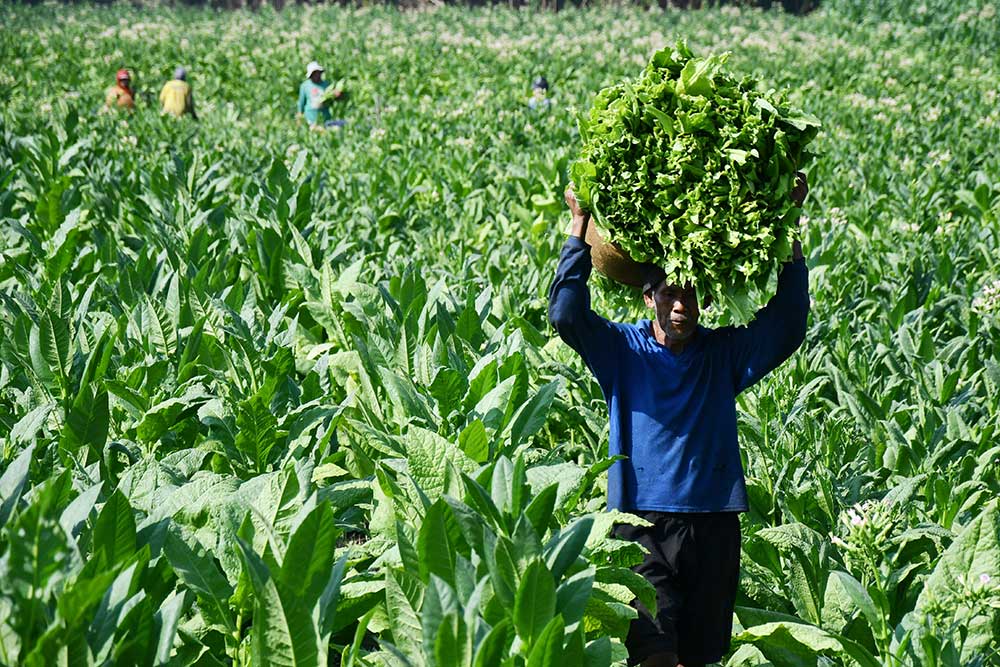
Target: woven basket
(614,262)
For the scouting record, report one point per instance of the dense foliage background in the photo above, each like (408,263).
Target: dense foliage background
(273,396)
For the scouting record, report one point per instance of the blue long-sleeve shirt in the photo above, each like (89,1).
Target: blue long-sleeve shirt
(674,415)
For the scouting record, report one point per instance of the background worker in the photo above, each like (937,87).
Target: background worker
(176,98)
(671,388)
(120,95)
(540,94)
(312,96)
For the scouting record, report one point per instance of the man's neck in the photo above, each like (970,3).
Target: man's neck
(675,346)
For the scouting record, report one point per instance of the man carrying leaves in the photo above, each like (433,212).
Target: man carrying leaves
(671,388)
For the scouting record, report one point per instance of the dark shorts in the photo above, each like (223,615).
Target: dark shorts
(694,565)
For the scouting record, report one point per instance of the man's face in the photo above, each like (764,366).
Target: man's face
(125,81)
(316,76)
(676,309)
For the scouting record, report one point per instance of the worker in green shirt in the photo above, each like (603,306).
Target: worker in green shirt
(312,96)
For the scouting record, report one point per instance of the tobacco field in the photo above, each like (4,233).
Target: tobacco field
(271,396)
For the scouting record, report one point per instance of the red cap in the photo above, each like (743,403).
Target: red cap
(122,74)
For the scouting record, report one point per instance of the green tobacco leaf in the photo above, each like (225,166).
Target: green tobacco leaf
(806,641)
(492,648)
(26,430)
(971,563)
(404,623)
(531,416)
(49,345)
(114,604)
(535,602)
(438,533)
(605,617)
(79,510)
(440,601)
(157,327)
(547,649)
(572,595)
(448,388)
(12,483)
(284,632)
(168,617)
(309,555)
(433,461)
(163,416)
(87,422)
(636,583)
(540,510)
(453,642)
(863,600)
(330,597)
(114,532)
(565,547)
(598,653)
(38,557)
(474,442)
(199,572)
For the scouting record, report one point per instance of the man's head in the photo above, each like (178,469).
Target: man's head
(123,77)
(675,306)
(180,74)
(314,72)
(540,87)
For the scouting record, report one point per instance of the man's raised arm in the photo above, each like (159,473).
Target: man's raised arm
(569,299)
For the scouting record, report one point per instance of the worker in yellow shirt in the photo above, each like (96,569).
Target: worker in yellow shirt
(176,98)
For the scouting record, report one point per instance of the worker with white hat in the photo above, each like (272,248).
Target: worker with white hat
(313,97)
(176,98)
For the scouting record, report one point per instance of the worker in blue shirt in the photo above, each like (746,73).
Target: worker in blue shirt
(670,387)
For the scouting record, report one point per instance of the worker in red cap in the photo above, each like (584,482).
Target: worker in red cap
(120,95)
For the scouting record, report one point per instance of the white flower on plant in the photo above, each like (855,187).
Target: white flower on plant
(984,579)
(988,300)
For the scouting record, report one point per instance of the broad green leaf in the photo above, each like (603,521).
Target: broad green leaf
(49,345)
(39,551)
(12,483)
(565,547)
(404,623)
(309,555)
(474,442)
(547,649)
(572,595)
(971,563)
(863,600)
(284,632)
(491,649)
(114,532)
(168,617)
(87,422)
(535,602)
(434,461)
(804,640)
(435,542)
(199,572)
(531,416)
